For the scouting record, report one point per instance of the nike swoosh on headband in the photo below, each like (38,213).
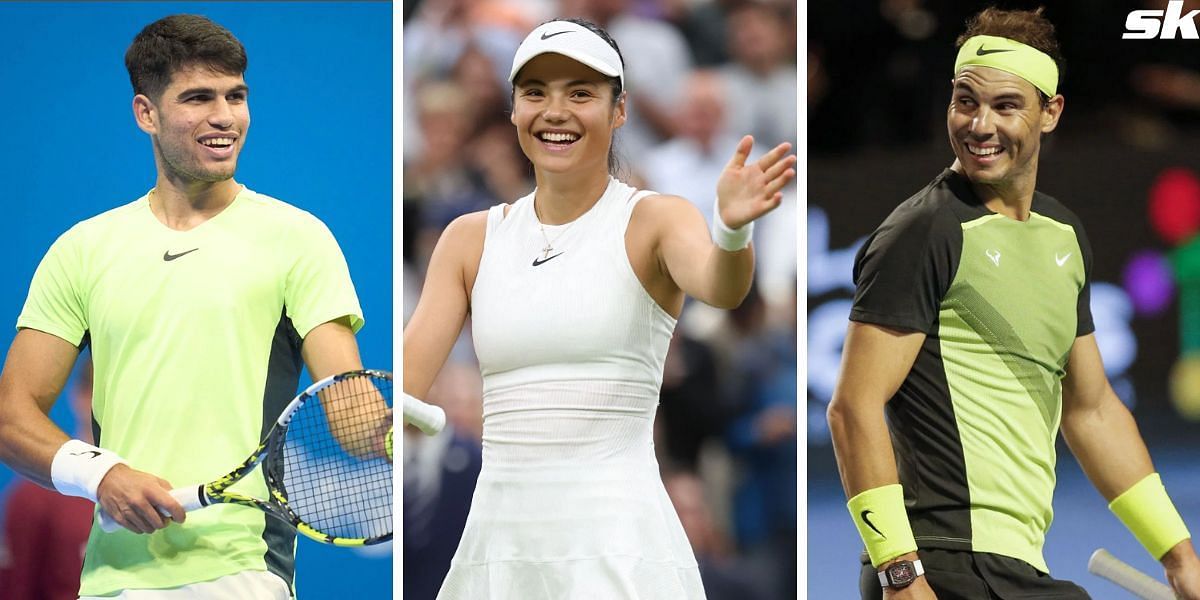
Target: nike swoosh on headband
(982,52)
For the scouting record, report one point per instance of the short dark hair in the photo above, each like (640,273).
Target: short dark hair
(172,43)
(1030,27)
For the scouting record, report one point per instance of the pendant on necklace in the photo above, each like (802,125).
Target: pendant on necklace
(546,251)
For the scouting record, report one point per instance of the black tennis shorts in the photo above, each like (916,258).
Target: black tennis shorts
(955,575)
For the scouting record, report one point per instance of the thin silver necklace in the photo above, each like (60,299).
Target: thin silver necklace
(549,243)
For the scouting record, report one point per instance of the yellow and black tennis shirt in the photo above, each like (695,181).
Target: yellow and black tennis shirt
(1001,302)
(195,338)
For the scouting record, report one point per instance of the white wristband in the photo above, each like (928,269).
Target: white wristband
(78,468)
(730,240)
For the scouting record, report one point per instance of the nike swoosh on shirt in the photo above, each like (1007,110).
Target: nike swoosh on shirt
(167,256)
(537,262)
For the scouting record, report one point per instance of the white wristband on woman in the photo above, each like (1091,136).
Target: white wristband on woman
(730,240)
(79,467)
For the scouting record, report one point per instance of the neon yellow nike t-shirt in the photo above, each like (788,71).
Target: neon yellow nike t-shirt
(195,339)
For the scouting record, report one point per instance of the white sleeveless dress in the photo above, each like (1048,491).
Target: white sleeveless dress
(569,504)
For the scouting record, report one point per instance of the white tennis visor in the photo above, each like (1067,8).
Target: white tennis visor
(572,41)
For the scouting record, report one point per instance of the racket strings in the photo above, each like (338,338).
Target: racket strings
(336,474)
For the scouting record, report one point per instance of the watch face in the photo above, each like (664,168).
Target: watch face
(901,573)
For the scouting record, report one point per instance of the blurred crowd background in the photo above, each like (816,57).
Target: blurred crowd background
(700,74)
(1123,158)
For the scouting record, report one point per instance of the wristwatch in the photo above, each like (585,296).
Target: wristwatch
(901,573)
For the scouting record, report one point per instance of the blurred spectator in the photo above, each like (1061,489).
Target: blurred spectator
(475,73)
(691,408)
(703,25)
(439,183)
(45,533)
(439,478)
(689,164)
(438,172)
(495,155)
(762,76)
(440,32)
(763,441)
(723,576)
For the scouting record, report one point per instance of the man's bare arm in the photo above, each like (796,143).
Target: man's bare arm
(1105,440)
(1097,427)
(331,348)
(875,361)
(35,371)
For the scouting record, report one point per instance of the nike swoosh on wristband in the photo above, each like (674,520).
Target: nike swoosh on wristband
(870,524)
(982,52)
(167,256)
(546,36)
(93,453)
(537,262)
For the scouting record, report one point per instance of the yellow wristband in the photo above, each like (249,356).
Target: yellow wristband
(882,522)
(1149,514)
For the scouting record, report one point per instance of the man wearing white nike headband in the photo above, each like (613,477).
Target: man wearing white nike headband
(573,293)
(971,329)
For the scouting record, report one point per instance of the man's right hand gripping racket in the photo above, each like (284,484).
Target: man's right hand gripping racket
(327,462)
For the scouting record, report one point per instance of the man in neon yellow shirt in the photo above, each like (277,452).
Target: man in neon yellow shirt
(200,300)
(972,329)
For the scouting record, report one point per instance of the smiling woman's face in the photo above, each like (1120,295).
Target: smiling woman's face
(564,114)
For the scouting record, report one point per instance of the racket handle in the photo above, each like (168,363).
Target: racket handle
(427,417)
(1143,586)
(190,497)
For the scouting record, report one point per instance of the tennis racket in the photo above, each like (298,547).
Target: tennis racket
(1139,584)
(426,417)
(327,462)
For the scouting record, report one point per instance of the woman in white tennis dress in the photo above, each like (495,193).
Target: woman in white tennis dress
(573,292)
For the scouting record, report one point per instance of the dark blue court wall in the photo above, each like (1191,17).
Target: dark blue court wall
(320,138)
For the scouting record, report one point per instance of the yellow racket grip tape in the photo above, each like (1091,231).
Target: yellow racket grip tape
(1149,514)
(882,522)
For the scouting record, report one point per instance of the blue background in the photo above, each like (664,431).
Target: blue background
(320,138)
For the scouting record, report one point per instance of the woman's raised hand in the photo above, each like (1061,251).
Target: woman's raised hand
(746,192)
